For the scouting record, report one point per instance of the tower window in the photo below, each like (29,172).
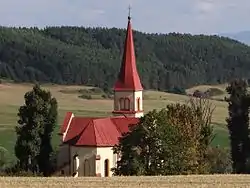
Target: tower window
(124,104)
(138,104)
(127,104)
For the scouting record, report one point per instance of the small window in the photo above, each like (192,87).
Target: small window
(138,104)
(127,104)
(86,168)
(122,105)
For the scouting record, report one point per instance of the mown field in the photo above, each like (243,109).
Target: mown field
(11,97)
(191,181)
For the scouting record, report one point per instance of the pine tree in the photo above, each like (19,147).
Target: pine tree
(37,119)
(237,123)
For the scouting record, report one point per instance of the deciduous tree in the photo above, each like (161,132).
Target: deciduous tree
(167,142)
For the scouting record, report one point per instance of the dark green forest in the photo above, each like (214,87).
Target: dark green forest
(92,56)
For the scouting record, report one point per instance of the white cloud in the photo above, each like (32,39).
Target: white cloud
(205,6)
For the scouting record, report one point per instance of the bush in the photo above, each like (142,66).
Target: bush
(214,92)
(96,90)
(86,96)
(219,160)
(15,170)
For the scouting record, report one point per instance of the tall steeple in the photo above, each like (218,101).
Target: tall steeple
(128,79)
(128,88)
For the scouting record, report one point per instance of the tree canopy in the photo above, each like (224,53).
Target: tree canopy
(92,56)
(238,124)
(174,140)
(37,120)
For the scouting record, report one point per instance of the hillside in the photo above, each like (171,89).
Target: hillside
(243,36)
(92,56)
(69,99)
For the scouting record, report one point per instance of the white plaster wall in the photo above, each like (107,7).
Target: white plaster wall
(138,94)
(84,153)
(105,153)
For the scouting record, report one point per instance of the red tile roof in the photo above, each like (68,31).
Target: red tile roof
(128,78)
(100,132)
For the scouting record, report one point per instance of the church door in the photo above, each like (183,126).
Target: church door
(86,168)
(106,168)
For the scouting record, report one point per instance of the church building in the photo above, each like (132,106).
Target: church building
(87,142)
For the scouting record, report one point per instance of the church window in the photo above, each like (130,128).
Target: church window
(86,168)
(121,103)
(126,104)
(138,104)
(75,163)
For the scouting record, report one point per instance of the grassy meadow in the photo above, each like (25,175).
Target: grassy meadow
(190,181)
(12,96)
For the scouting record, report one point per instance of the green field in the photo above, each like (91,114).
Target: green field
(11,97)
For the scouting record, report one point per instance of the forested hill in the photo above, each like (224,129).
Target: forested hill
(92,56)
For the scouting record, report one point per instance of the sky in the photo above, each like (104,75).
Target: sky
(151,16)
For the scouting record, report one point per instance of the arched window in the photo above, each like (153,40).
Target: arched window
(75,164)
(138,104)
(86,168)
(121,102)
(106,168)
(124,104)
(127,104)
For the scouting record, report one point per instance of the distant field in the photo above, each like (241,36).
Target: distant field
(11,97)
(191,181)
(203,88)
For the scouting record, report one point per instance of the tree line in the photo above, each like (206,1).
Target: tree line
(92,56)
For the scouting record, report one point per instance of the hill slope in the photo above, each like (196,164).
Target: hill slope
(92,56)
(243,36)
(68,98)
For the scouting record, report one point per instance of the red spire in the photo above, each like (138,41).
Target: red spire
(128,78)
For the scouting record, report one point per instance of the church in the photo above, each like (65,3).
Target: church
(87,142)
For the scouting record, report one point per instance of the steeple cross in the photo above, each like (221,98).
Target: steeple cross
(129,12)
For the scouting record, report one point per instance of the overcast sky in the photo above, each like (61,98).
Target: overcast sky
(192,16)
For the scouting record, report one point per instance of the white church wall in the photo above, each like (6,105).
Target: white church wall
(138,106)
(106,153)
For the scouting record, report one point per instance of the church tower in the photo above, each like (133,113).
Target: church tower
(128,89)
